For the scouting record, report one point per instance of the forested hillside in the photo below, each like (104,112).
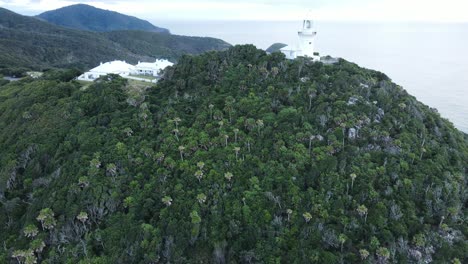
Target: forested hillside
(235,157)
(86,17)
(34,44)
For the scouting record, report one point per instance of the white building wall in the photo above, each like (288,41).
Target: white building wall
(289,52)
(307,44)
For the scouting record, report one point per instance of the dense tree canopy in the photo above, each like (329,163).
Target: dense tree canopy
(234,157)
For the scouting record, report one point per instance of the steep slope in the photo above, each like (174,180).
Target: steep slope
(31,43)
(235,157)
(86,17)
(173,46)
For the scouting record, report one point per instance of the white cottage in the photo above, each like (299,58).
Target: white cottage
(305,47)
(128,71)
(151,68)
(113,67)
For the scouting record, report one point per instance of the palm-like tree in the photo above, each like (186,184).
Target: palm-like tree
(18,255)
(201,165)
(383,254)
(111,169)
(94,165)
(128,131)
(30,231)
(37,246)
(342,239)
(24,256)
(201,198)
(176,121)
(249,144)
(236,131)
(362,211)
(250,124)
(181,151)
(237,149)
(364,254)
(343,131)
(226,137)
(311,92)
(176,133)
(353,177)
(311,137)
(83,182)
(228,176)
(30,257)
(211,106)
(82,217)
(199,175)
(307,216)
(259,124)
(167,200)
(289,212)
(229,107)
(46,218)
(159,157)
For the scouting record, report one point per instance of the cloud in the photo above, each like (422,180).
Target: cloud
(365,10)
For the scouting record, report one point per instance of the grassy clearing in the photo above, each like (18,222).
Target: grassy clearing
(147,77)
(136,91)
(84,84)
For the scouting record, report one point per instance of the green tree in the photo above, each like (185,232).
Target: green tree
(47,219)
(30,231)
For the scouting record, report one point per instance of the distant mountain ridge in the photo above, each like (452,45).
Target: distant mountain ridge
(31,43)
(86,17)
(275,47)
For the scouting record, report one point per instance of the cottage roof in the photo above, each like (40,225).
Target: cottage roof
(157,65)
(114,67)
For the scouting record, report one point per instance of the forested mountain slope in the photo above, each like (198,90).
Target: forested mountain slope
(235,157)
(34,44)
(86,17)
(172,46)
(31,43)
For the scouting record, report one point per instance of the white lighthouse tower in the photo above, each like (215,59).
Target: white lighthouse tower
(305,47)
(307,38)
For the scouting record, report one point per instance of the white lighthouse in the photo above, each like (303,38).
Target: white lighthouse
(305,47)
(306,38)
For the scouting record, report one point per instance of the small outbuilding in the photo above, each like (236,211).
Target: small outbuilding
(151,68)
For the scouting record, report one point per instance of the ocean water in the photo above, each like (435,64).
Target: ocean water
(429,60)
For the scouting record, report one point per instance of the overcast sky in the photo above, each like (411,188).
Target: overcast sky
(352,10)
